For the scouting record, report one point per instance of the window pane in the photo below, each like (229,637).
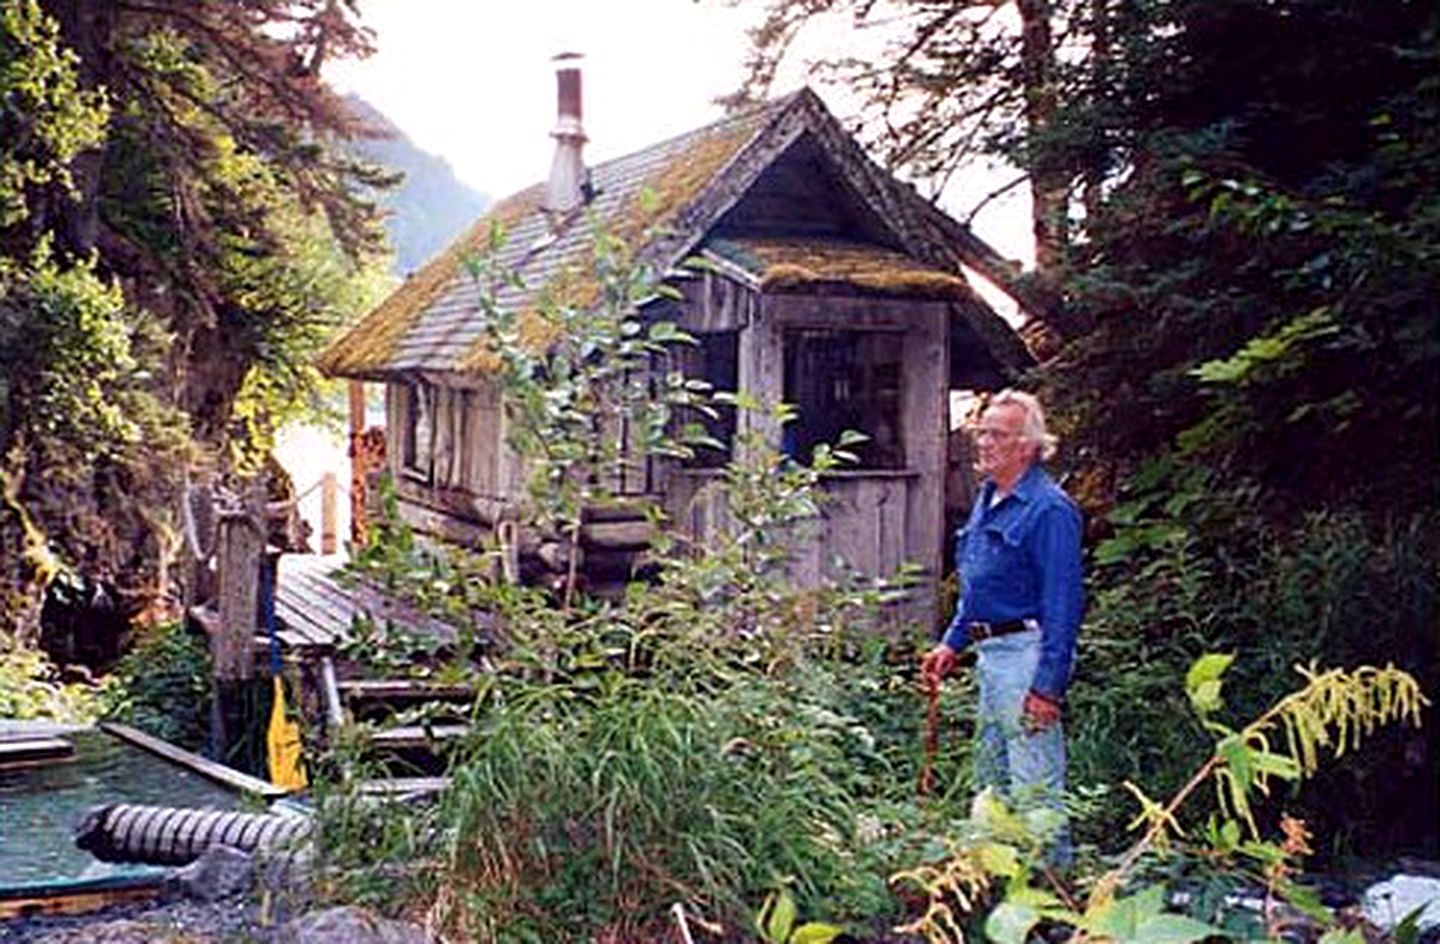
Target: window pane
(841,380)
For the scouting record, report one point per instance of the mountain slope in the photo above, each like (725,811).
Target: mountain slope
(430,207)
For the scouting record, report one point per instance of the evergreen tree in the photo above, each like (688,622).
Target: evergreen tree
(177,234)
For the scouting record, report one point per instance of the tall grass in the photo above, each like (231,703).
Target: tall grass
(566,823)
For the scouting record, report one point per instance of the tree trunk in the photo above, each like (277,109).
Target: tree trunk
(213,370)
(1095,156)
(1049,182)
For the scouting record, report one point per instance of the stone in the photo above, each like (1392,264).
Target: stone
(1387,903)
(349,925)
(220,872)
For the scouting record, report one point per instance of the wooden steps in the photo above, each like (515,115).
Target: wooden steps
(403,691)
(417,736)
(29,751)
(408,726)
(405,788)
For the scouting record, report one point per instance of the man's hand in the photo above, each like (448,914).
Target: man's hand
(937,664)
(1039,712)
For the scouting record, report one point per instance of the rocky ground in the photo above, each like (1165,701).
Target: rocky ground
(234,920)
(170,921)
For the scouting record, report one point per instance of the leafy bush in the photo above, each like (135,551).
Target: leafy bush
(162,686)
(1334,588)
(993,872)
(30,690)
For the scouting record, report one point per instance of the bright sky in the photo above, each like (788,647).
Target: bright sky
(472,81)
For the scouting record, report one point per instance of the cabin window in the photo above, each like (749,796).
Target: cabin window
(417,450)
(715,359)
(841,380)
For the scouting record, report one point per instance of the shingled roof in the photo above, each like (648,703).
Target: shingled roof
(672,194)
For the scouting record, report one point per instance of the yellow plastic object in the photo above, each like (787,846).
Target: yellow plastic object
(282,741)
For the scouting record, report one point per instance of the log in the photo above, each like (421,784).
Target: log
(161,835)
(618,535)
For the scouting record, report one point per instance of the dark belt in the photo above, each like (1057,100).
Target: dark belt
(980,629)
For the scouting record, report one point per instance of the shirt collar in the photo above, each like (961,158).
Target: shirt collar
(1024,489)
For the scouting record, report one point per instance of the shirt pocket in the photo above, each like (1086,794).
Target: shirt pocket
(1007,537)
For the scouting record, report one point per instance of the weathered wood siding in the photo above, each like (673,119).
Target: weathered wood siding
(873,520)
(471,474)
(714,302)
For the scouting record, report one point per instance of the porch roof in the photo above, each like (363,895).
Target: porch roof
(785,263)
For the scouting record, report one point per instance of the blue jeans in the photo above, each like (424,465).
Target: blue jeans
(1026,768)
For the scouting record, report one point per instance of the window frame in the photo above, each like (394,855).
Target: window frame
(861,387)
(417,415)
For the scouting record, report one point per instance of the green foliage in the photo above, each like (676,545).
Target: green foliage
(991,869)
(1334,589)
(176,237)
(699,738)
(712,733)
(90,451)
(369,851)
(46,117)
(162,686)
(65,345)
(587,405)
(30,689)
(776,923)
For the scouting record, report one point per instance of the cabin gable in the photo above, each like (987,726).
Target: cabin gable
(827,284)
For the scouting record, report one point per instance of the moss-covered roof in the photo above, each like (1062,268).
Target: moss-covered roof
(665,202)
(807,263)
(368,347)
(431,322)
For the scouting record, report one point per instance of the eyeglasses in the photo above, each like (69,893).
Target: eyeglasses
(993,432)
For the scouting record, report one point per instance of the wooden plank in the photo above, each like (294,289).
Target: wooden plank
(417,736)
(316,626)
(298,574)
(380,689)
(322,609)
(295,607)
(314,603)
(32,903)
(633,535)
(241,545)
(311,602)
(219,773)
(404,786)
(26,752)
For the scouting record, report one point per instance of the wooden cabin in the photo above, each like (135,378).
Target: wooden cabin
(831,285)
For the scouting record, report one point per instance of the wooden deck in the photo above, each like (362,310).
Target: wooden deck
(316,611)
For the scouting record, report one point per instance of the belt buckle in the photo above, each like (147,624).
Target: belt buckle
(981,630)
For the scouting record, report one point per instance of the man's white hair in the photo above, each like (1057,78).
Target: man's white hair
(1034,429)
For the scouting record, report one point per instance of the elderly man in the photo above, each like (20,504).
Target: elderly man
(1020,606)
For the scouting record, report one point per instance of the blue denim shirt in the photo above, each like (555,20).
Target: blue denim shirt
(1021,560)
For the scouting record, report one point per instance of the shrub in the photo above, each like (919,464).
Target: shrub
(162,686)
(31,690)
(1334,588)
